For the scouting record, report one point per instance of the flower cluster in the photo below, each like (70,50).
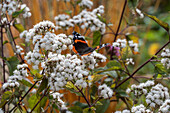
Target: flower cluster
(124,111)
(39,29)
(133,45)
(141,15)
(140,89)
(140,109)
(157,95)
(17,75)
(26,11)
(62,68)
(92,60)
(63,21)
(105,91)
(4,21)
(136,109)
(165,107)
(86,4)
(85,19)
(60,103)
(166,58)
(11,6)
(8,6)
(82,3)
(34,57)
(19,50)
(120,43)
(129,61)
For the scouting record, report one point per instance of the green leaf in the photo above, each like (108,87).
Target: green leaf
(26,83)
(5,98)
(12,63)
(89,110)
(23,44)
(161,23)
(101,19)
(96,38)
(17,13)
(81,105)
(5,42)
(42,86)
(68,12)
(126,52)
(88,38)
(32,101)
(19,27)
(75,109)
(43,102)
(110,69)
(160,69)
(102,108)
(74,91)
(159,76)
(121,93)
(112,63)
(97,77)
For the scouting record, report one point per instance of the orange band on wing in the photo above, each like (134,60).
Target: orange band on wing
(86,54)
(80,41)
(74,50)
(97,47)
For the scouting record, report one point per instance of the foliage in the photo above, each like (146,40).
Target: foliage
(40,79)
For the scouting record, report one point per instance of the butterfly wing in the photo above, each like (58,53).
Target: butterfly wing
(80,45)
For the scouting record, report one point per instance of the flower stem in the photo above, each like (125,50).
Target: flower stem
(2,53)
(23,96)
(40,99)
(142,66)
(120,20)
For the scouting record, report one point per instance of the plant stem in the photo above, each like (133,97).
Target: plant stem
(40,99)
(2,53)
(23,96)
(84,96)
(142,66)
(14,42)
(120,20)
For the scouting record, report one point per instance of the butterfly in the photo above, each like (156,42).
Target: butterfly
(81,47)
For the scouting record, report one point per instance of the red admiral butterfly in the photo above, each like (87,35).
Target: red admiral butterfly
(81,47)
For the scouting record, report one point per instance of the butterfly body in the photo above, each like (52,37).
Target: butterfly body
(81,47)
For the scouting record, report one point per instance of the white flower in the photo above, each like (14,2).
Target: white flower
(128,90)
(86,3)
(105,91)
(129,61)
(86,19)
(165,107)
(1,111)
(133,45)
(140,13)
(138,109)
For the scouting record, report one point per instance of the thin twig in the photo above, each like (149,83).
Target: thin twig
(129,72)
(123,30)
(96,100)
(23,96)
(84,96)
(141,66)
(40,99)
(2,52)
(120,20)
(80,90)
